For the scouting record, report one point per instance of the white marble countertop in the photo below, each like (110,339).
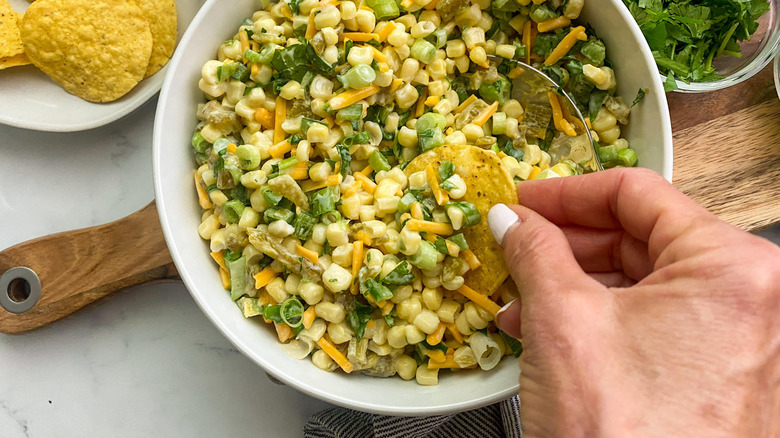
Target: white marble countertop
(145,362)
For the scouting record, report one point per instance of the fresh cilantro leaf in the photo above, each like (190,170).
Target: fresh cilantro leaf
(400,275)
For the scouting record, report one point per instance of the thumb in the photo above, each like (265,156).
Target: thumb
(539,258)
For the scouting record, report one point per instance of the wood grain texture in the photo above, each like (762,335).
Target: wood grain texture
(731,165)
(79,267)
(688,110)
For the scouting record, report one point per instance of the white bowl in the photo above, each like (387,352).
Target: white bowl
(649,134)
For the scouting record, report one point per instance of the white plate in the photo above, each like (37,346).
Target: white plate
(32,100)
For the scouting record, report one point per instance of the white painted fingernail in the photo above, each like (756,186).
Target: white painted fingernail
(501,310)
(500,218)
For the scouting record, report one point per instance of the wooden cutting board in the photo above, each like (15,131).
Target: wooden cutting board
(727,150)
(726,157)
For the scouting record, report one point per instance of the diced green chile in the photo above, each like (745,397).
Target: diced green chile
(500,90)
(238,276)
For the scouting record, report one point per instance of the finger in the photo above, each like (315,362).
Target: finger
(539,258)
(511,316)
(609,250)
(637,200)
(612,279)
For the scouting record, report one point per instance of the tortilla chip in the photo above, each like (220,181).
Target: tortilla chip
(14,61)
(488,183)
(161,15)
(96,49)
(10,39)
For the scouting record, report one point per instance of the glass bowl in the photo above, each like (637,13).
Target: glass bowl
(777,75)
(757,53)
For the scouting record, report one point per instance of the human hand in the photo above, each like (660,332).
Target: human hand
(642,313)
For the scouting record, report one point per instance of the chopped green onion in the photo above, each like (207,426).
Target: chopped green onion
(542,12)
(460,240)
(304,224)
(267,54)
(322,201)
(359,76)
(378,161)
(426,256)
(499,123)
(471,215)
(287,164)
(291,312)
(439,37)
(607,153)
(430,139)
(252,56)
(376,290)
(423,51)
(199,143)
(405,203)
(249,156)
(430,121)
(384,9)
(331,217)
(627,157)
(220,146)
(278,213)
(238,276)
(521,50)
(233,210)
(271,197)
(225,71)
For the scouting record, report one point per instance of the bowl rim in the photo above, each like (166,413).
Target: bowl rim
(168,221)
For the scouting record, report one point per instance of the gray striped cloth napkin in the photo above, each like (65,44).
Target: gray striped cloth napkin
(500,420)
